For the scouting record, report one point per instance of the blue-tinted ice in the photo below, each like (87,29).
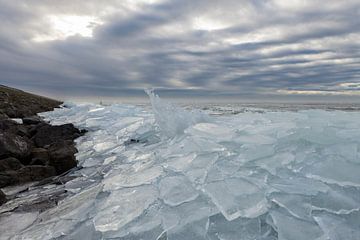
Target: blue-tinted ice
(175,174)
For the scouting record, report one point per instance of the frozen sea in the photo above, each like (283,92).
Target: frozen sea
(216,172)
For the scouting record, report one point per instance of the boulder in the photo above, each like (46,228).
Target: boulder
(12,145)
(9,164)
(40,154)
(62,156)
(46,134)
(3,115)
(7,125)
(2,198)
(33,128)
(32,120)
(37,161)
(26,174)
(35,173)
(8,178)
(22,131)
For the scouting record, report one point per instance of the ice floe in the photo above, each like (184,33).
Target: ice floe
(169,173)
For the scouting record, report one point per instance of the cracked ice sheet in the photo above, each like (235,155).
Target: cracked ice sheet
(176,190)
(241,168)
(236,197)
(335,171)
(290,228)
(123,206)
(339,226)
(13,223)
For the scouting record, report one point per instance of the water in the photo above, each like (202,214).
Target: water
(227,172)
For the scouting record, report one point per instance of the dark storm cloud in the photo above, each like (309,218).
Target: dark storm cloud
(184,48)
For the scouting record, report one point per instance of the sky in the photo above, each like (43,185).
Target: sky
(260,50)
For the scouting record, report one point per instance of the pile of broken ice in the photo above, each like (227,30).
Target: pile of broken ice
(174,174)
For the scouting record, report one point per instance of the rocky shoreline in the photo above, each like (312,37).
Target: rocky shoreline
(30,148)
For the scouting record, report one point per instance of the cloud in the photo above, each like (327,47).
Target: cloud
(228,48)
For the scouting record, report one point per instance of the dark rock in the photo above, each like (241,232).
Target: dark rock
(35,173)
(18,104)
(9,164)
(133,141)
(55,149)
(3,116)
(26,174)
(2,198)
(33,128)
(8,178)
(62,156)
(47,134)
(12,145)
(32,120)
(8,125)
(37,161)
(22,131)
(58,180)
(40,154)
(63,179)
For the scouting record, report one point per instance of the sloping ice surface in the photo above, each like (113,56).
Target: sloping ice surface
(181,175)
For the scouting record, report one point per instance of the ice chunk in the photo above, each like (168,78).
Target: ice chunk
(237,197)
(297,205)
(323,136)
(127,121)
(275,162)
(180,163)
(255,139)
(192,231)
(338,227)
(100,147)
(156,233)
(131,177)
(241,228)
(294,184)
(108,160)
(335,171)
(291,228)
(84,230)
(123,206)
(173,120)
(13,223)
(347,150)
(199,167)
(90,162)
(188,212)
(74,207)
(339,200)
(176,190)
(187,145)
(147,226)
(249,152)
(17,120)
(211,130)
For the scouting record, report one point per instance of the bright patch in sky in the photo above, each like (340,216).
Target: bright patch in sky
(207,24)
(64,26)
